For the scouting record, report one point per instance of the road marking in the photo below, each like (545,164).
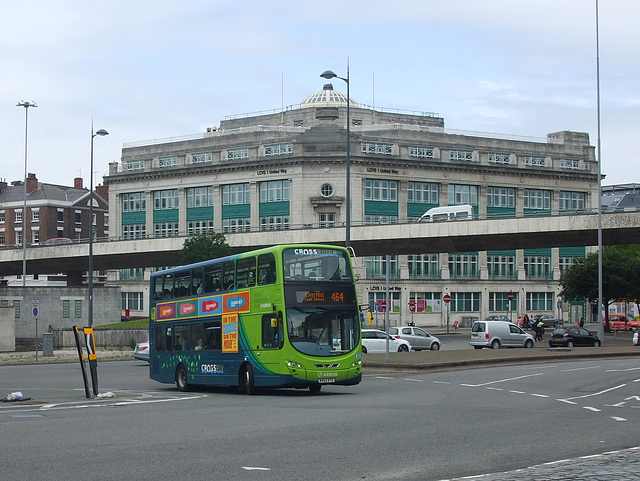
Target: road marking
(516,392)
(539,395)
(580,369)
(502,380)
(616,418)
(255,468)
(414,380)
(441,382)
(589,408)
(383,377)
(566,401)
(598,393)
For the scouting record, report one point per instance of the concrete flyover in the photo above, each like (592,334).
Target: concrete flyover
(394,239)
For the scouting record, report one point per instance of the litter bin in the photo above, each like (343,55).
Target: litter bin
(47,344)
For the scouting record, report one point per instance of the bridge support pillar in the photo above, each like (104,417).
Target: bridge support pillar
(74,278)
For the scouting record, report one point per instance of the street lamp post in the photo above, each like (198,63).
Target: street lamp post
(101,133)
(328,74)
(26,105)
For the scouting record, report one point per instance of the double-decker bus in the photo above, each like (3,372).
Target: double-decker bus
(284,316)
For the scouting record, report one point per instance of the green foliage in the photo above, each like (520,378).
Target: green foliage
(132,343)
(205,246)
(137,324)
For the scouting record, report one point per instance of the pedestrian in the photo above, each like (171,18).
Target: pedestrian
(525,322)
(519,321)
(581,324)
(540,332)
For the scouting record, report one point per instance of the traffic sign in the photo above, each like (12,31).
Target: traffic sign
(447,298)
(510,296)
(35,309)
(412,305)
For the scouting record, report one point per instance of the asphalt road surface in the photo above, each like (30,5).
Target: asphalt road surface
(427,426)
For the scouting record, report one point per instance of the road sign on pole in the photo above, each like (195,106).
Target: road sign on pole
(447,298)
(412,305)
(510,296)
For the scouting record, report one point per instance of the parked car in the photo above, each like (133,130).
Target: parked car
(141,351)
(623,322)
(375,340)
(573,336)
(57,241)
(419,339)
(499,334)
(498,318)
(636,338)
(548,319)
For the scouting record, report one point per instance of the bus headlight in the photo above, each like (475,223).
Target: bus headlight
(294,364)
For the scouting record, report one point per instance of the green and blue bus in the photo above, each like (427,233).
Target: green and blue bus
(284,316)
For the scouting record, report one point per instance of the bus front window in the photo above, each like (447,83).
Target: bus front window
(322,332)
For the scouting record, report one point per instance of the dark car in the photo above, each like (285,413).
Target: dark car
(573,336)
(548,320)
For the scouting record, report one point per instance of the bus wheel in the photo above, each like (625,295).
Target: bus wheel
(314,388)
(181,378)
(247,380)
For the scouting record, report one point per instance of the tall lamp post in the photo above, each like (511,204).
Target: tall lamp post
(101,133)
(26,105)
(328,74)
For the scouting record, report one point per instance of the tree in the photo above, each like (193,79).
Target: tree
(620,267)
(205,246)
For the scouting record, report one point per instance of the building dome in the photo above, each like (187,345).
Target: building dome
(327,97)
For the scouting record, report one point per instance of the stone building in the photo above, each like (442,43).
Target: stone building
(287,170)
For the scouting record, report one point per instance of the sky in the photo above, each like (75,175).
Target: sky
(147,70)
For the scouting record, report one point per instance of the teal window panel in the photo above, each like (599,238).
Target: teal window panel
(501,253)
(376,207)
(416,209)
(139,217)
(573,251)
(166,215)
(236,211)
(545,252)
(200,213)
(274,208)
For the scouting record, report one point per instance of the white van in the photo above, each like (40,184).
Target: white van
(497,334)
(449,212)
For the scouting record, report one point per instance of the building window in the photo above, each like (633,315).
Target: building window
(18,215)
(421,152)
(35,236)
(165,199)
(499,302)
(326,190)
(326,219)
(537,199)
(60,232)
(134,231)
(18,236)
(462,194)
(426,301)
(132,165)
(201,158)
(423,192)
(463,266)
(571,201)
(381,190)
(537,267)
(238,154)
(278,149)
(539,301)
(3,240)
(132,274)
(16,308)
(564,262)
(424,266)
(377,148)
(378,302)
(498,158)
(241,224)
(77,309)
(132,301)
(134,202)
(66,309)
(376,266)
(274,222)
(165,229)
(462,155)
(78,217)
(200,197)
(274,191)
(60,215)
(465,302)
(569,164)
(166,161)
(35,215)
(533,161)
(501,197)
(195,227)
(236,194)
(501,266)
(2,221)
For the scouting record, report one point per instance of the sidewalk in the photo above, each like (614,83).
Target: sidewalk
(60,356)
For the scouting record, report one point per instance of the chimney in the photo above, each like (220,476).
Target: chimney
(77,183)
(3,184)
(32,183)
(103,191)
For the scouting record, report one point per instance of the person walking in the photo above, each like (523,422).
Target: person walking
(525,322)
(540,331)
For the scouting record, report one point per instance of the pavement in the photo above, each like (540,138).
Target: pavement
(614,345)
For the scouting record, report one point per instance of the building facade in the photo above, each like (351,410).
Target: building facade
(54,214)
(287,170)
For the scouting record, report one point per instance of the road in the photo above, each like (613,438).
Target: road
(427,426)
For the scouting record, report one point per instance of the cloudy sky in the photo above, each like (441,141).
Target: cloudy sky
(147,70)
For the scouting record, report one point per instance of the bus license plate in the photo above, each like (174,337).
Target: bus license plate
(326,380)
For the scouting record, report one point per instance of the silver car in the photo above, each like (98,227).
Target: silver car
(142,351)
(419,339)
(374,340)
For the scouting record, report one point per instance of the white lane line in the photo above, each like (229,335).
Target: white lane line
(616,418)
(598,393)
(516,392)
(579,369)
(539,395)
(414,380)
(590,408)
(255,468)
(566,401)
(441,382)
(502,380)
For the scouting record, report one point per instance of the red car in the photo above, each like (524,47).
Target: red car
(623,322)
